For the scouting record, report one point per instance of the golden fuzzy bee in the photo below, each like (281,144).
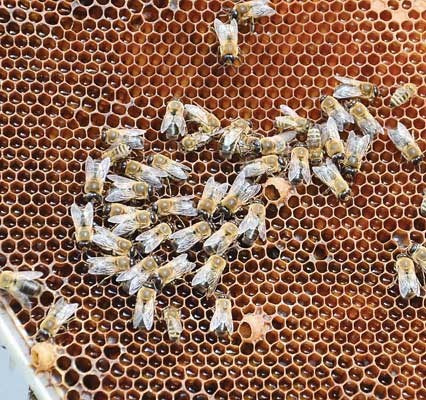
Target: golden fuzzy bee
(405,143)
(291,121)
(173,123)
(365,121)
(186,238)
(21,285)
(171,316)
(57,315)
(151,239)
(197,140)
(277,144)
(221,322)
(173,169)
(96,173)
(352,88)
(133,138)
(113,209)
(108,241)
(235,139)
(213,193)
(298,167)
(246,11)
(403,94)
(117,152)
(128,224)
(313,141)
(179,205)
(125,189)
(83,224)
(333,144)
(409,285)
(207,277)
(174,269)
(418,253)
(423,205)
(356,149)
(207,121)
(240,193)
(253,224)
(152,176)
(268,165)
(330,176)
(332,108)
(143,317)
(138,275)
(108,265)
(228,41)
(222,239)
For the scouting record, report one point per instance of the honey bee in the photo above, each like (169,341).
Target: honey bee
(213,193)
(143,316)
(186,238)
(235,138)
(352,88)
(365,121)
(145,173)
(334,146)
(250,10)
(128,224)
(330,176)
(240,193)
(418,253)
(403,94)
(222,239)
(21,285)
(108,241)
(134,278)
(169,272)
(298,168)
(207,277)
(221,322)
(291,121)
(228,41)
(124,189)
(83,224)
(196,140)
(174,122)
(253,224)
(171,316)
(314,144)
(405,143)
(423,206)
(356,149)
(109,265)
(332,108)
(117,152)
(131,137)
(173,169)
(277,144)
(269,165)
(96,172)
(409,285)
(151,239)
(207,121)
(113,209)
(179,205)
(58,315)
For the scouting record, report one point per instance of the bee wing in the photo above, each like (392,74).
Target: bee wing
(286,110)
(231,137)
(197,114)
(238,184)
(134,138)
(90,167)
(226,32)
(118,219)
(104,168)
(150,240)
(250,222)
(181,265)
(167,121)
(184,239)
(177,170)
(323,173)
(362,145)
(306,173)
(76,214)
(216,241)
(88,214)
(220,192)
(117,194)
(181,124)
(255,168)
(341,117)
(400,136)
(148,314)
(262,229)
(101,265)
(133,132)
(260,9)
(206,277)
(121,181)
(408,283)
(219,318)
(209,188)
(138,281)
(152,176)
(249,192)
(369,126)
(63,310)
(286,136)
(125,228)
(347,91)
(293,169)
(22,298)
(329,130)
(185,206)
(103,237)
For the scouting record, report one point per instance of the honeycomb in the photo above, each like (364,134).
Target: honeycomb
(325,276)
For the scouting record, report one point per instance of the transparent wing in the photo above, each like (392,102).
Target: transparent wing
(346,92)
(216,241)
(218,319)
(238,184)
(400,136)
(104,238)
(293,169)
(362,145)
(226,32)
(286,110)
(63,311)
(249,192)
(260,9)
(197,114)
(76,215)
(285,136)
(137,282)
(138,315)
(209,188)
(250,222)
(323,173)
(408,283)
(306,173)
(181,124)
(330,130)
(348,81)
(369,126)
(181,265)
(125,228)
(22,298)
(101,265)
(185,206)
(148,314)
(117,194)
(351,143)
(231,137)
(133,132)
(121,181)
(255,168)
(150,240)
(341,117)
(88,214)
(104,168)
(28,275)
(90,168)
(206,277)
(220,192)
(118,219)
(177,170)
(262,229)
(153,176)
(167,121)
(134,138)
(184,239)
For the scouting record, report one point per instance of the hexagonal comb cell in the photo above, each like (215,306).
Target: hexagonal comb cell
(341,330)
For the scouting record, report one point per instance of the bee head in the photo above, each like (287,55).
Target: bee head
(349,171)
(122,165)
(42,335)
(338,157)
(83,245)
(150,190)
(93,197)
(106,209)
(376,91)
(345,195)
(225,212)
(228,59)
(412,248)
(150,159)
(281,161)
(256,146)
(153,216)
(417,160)
(154,207)
(157,282)
(233,14)
(135,252)
(104,134)
(204,214)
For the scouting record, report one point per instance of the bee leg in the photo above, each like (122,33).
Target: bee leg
(251,25)
(104,280)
